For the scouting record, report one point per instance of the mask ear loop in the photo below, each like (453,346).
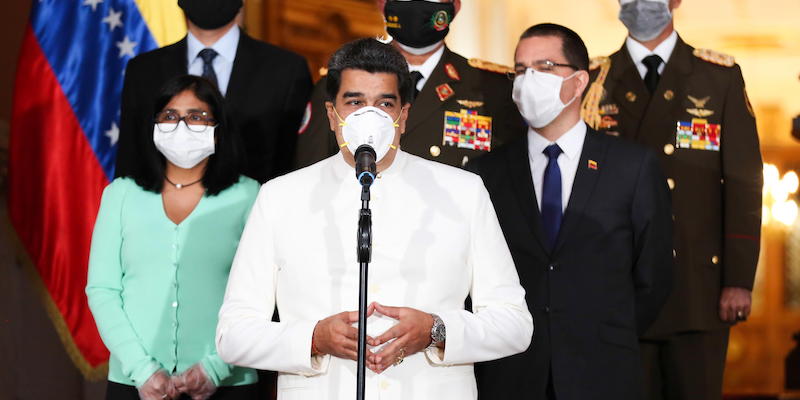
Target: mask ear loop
(396,125)
(341,124)
(565,79)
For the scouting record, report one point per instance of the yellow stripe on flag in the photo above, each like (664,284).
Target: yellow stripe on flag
(165,20)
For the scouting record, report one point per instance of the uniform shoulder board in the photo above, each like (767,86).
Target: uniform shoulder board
(323,71)
(714,57)
(489,66)
(597,62)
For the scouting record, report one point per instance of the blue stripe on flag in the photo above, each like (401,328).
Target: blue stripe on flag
(88,51)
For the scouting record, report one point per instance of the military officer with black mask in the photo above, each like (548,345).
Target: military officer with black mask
(461,109)
(690,106)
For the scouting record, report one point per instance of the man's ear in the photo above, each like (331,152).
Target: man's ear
(582,77)
(332,120)
(457,5)
(403,117)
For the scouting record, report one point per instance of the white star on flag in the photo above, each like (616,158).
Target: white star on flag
(126,47)
(113,133)
(92,3)
(114,19)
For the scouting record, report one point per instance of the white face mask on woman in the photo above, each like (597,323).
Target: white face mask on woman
(183,146)
(538,96)
(371,126)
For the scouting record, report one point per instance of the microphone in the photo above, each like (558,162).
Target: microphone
(365,164)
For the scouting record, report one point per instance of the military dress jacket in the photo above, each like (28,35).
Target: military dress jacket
(701,123)
(463,111)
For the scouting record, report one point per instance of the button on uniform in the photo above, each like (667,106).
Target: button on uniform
(669,148)
(715,260)
(435,151)
(671,183)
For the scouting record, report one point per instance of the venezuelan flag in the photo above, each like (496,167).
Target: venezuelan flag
(64,129)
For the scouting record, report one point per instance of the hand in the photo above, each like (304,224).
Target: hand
(157,387)
(195,383)
(336,335)
(410,335)
(734,304)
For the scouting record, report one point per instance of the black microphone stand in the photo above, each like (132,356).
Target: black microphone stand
(364,258)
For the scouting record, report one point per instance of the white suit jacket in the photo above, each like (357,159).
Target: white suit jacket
(436,239)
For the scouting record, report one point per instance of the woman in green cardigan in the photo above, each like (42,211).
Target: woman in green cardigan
(162,248)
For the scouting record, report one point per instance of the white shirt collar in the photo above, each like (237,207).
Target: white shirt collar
(571,142)
(426,68)
(638,52)
(225,46)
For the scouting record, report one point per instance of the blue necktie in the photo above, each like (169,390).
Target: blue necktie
(208,55)
(551,195)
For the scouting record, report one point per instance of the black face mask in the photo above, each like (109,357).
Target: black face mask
(418,23)
(210,14)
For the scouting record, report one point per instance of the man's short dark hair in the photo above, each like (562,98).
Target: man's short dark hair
(571,44)
(224,166)
(372,56)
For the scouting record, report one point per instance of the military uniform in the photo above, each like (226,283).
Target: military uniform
(464,110)
(701,123)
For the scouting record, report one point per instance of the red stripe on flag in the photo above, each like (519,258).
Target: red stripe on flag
(55,185)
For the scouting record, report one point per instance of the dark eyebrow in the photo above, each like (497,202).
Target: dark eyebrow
(389,96)
(352,94)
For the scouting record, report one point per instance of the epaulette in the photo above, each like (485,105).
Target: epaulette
(489,66)
(590,107)
(323,71)
(714,57)
(597,62)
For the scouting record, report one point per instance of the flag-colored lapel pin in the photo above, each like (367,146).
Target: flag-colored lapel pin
(593,165)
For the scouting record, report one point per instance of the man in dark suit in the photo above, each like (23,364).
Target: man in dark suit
(462,108)
(266,88)
(587,219)
(690,106)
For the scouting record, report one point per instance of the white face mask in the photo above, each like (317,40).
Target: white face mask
(184,147)
(538,96)
(371,126)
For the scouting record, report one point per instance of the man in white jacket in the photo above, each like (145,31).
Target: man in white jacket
(436,240)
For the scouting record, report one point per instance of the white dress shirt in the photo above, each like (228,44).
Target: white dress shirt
(638,52)
(426,68)
(571,144)
(223,62)
(436,239)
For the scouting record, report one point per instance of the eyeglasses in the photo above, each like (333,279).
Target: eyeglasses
(196,121)
(539,66)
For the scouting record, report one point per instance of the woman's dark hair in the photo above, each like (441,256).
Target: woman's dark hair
(224,166)
(372,56)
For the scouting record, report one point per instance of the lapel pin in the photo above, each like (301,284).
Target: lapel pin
(593,165)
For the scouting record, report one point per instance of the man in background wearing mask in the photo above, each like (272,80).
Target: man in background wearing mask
(461,108)
(690,106)
(587,219)
(266,88)
(433,245)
